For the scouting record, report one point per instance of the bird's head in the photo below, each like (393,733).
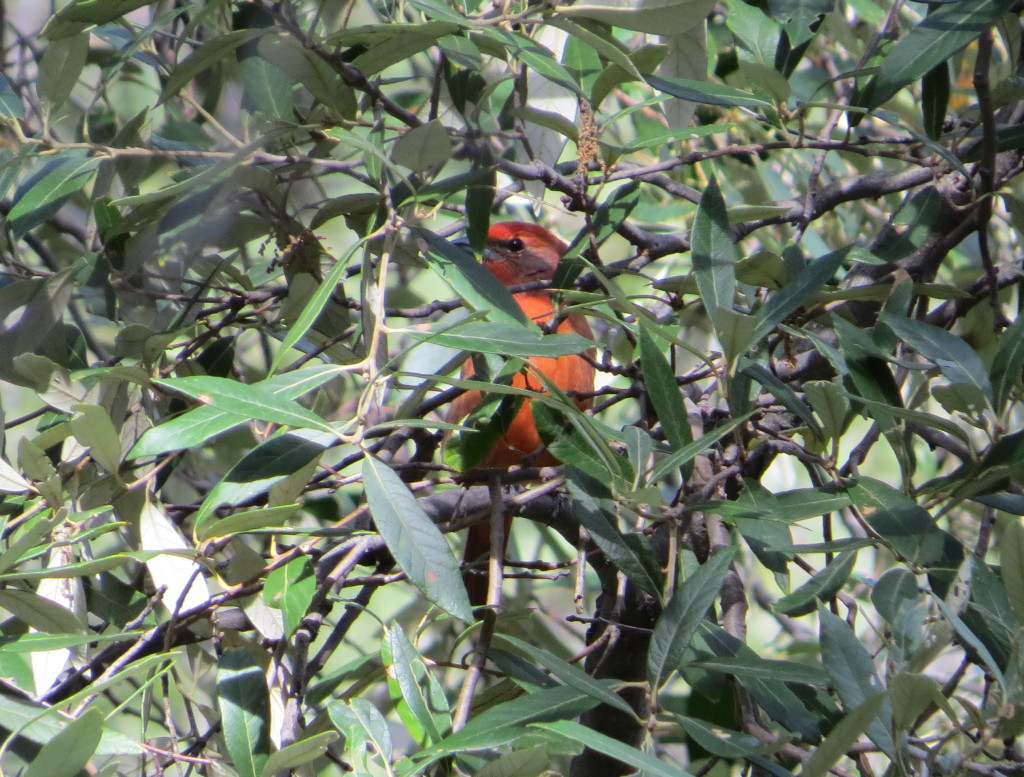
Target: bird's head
(520,252)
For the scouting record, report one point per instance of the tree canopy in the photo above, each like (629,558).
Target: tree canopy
(785,540)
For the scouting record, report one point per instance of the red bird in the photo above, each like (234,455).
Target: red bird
(516,253)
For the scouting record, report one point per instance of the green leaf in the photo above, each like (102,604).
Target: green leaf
(10,103)
(853,675)
(798,17)
(363,725)
(395,43)
(206,56)
(243,700)
(785,395)
(692,450)
(423,147)
(60,68)
(945,31)
(608,47)
(203,423)
(571,675)
(706,92)
(822,586)
(904,525)
(1011,558)
(752,667)
(972,641)
(796,293)
(602,743)
(669,17)
(478,288)
(713,253)
(683,615)
(245,401)
(40,613)
(504,722)
(290,588)
(842,737)
(405,666)
(935,91)
(957,360)
(895,587)
(1008,364)
(535,56)
(60,177)
(86,13)
(416,543)
(665,395)
(92,426)
(70,750)
(246,521)
(298,753)
(724,743)
(593,506)
(309,69)
(488,337)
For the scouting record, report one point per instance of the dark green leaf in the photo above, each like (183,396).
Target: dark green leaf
(571,675)
(843,737)
(796,293)
(687,453)
(504,723)
(945,31)
(86,13)
(593,506)
(893,589)
(58,179)
(664,392)
(957,360)
(683,615)
(785,395)
(706,92)
(852,671)
(211,53)
(904,525)
(822,586)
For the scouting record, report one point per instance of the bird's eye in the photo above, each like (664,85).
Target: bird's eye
(516,245)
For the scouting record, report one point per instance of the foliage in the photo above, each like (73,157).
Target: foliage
(232,321)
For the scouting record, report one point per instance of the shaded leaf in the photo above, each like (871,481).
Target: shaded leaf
(594,508)
(822,586)
(683,615)
(664,392)
(602,743)
(853,675)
